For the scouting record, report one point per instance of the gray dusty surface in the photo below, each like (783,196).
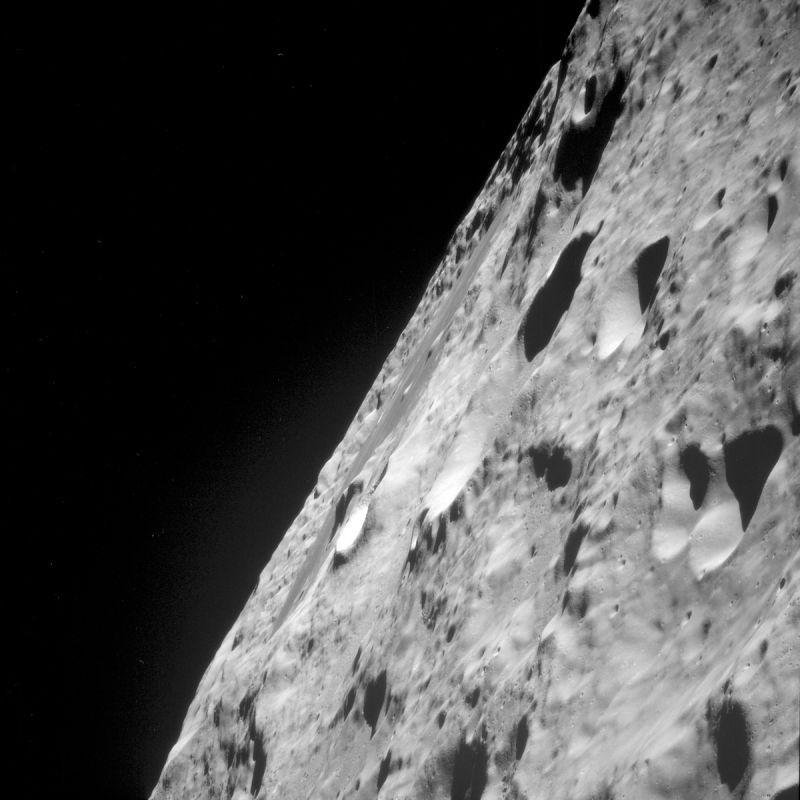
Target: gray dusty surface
(556,553)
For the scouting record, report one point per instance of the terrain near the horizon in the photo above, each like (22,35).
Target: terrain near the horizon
(556,553)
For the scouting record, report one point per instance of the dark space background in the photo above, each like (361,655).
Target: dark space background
(214,232)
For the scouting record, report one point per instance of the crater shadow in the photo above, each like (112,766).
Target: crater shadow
(373,700)
(648,266)
(580,151)
(694,463)
(749,459)
(555,297)
(732,743)
(469,771)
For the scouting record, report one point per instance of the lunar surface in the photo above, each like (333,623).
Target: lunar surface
(556,553)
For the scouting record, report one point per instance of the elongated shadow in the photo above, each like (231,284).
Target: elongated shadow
(555,297)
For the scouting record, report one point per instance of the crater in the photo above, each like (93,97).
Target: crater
(551,463)
(521,739)
(730,735)
(559,469)
(648,266)
(749,459)
(580,149)
(553,300)
(695,465)
(383,769)
(469,771)
(373,700)
(573,545)
(622,316)
(259,763)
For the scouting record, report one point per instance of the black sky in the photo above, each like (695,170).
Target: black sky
(214,234)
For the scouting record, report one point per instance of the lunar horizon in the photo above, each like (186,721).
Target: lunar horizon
(556,551)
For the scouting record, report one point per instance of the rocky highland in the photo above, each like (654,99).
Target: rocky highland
(557,553)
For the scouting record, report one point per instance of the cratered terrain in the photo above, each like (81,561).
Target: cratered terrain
(556,553)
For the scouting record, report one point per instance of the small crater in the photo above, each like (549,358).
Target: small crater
(373,700)
(783,168)
(349,699)
(551,463)
(383,769)
(573,545)
(730,735)
(589,94)
(648,266)
(772,210)
(789,793)
(342,504)
(340,511)
(749,459)
(441,717)
(521,737)
(785,282)
(695,465)
(583,605)
(712,62)
(577,604)
(246,704)
(469,771)
(259,763)
(559,469)
(441,535)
